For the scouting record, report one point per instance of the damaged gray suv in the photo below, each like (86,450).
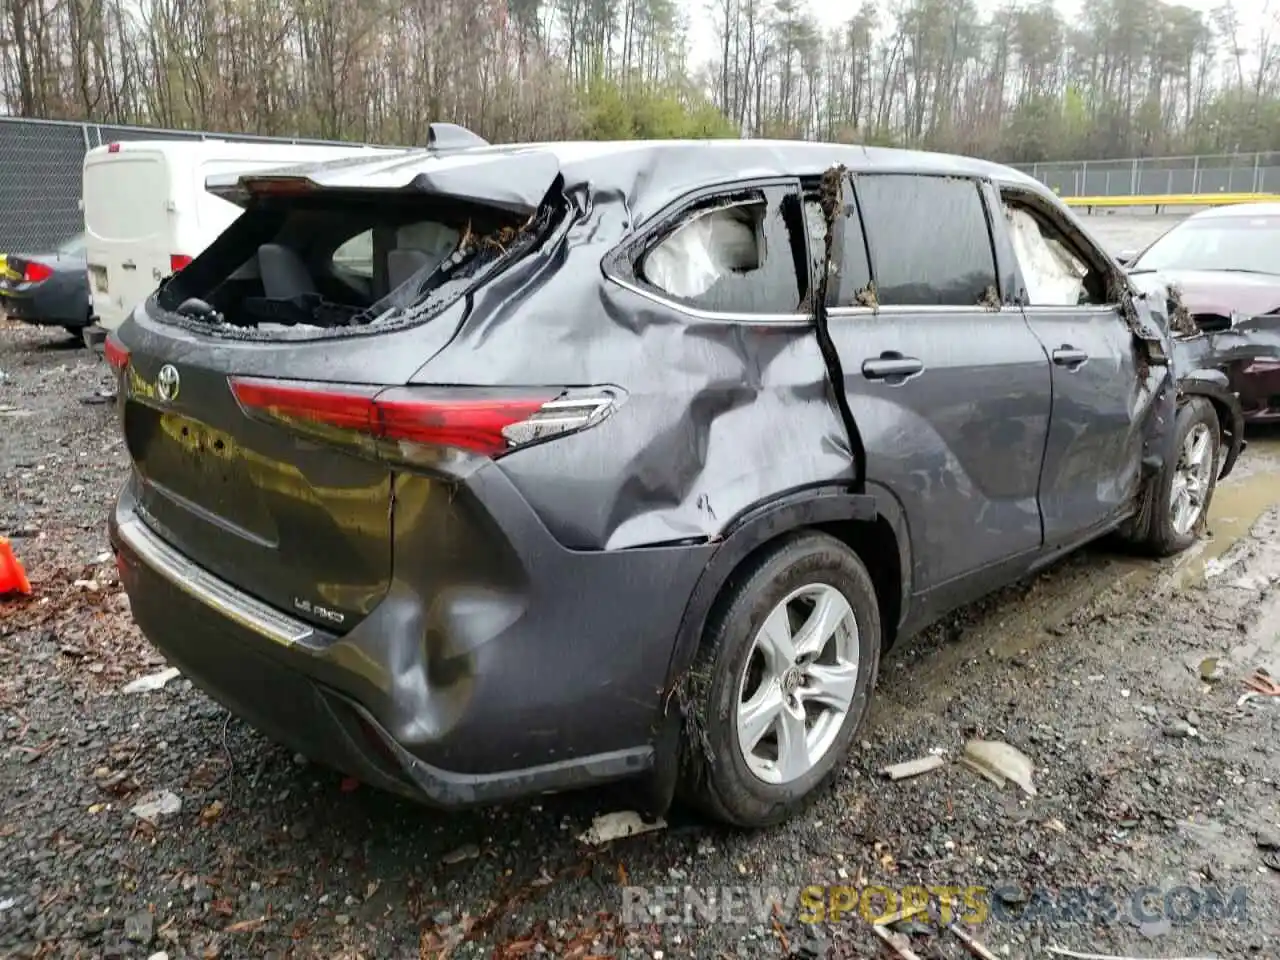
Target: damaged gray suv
(483,471)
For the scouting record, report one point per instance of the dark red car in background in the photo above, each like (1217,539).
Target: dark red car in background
(1226,262)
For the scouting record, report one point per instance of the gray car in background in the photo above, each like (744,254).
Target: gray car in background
(47,289)
(629,460)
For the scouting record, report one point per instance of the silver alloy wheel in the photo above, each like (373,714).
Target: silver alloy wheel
(1191,479)
(798,683)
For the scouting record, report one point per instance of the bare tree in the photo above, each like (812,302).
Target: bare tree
(1125,77)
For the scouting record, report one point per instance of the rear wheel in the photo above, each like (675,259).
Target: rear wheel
(1177,508)
(782,681)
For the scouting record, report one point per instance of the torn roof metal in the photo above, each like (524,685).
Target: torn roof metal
(650,174)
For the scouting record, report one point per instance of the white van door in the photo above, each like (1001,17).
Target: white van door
(126,219)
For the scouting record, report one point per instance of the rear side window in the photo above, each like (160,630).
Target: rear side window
(729,255)
(929,239)
(356,255)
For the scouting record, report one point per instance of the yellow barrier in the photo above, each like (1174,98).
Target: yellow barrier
(1170,200)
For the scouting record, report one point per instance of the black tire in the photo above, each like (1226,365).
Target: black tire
(714,775)
(1159,537)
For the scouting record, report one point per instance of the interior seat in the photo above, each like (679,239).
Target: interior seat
(284,275)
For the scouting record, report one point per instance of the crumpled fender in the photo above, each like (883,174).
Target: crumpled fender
(1195,361)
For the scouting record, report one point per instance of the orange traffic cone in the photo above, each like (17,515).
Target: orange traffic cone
(12,579)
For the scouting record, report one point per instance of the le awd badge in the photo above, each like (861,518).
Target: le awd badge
(317,611)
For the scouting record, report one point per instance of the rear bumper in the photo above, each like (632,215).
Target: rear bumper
(380,703)
(42,308)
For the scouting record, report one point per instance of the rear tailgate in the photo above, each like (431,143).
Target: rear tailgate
(301,520)
(299,524)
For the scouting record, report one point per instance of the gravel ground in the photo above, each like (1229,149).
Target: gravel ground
(1119,679)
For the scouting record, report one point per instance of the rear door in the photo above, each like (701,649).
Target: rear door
(126,200)
(1093,458)
(949,388)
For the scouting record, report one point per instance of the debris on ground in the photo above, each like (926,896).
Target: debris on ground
(895,930)
(1180,729)
(157,804)
(262,835)
(152,682)
(1262,682)
(461,854)
(1210,670)
(1063,952)
(913,768)
(998,762)
(616,826)
(140,927)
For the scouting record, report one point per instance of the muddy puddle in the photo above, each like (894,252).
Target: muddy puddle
(1238,502)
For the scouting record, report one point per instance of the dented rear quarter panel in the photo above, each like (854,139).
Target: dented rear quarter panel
(718,414)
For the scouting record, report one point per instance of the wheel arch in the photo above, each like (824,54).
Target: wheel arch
(872,524)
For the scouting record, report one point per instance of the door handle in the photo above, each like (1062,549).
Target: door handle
(1069,357)
(129,265)
(891,365)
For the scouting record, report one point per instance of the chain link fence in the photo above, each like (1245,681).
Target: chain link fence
(1144,177)
(40,169)
(40,174)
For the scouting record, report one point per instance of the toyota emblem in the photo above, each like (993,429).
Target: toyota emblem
(168,382)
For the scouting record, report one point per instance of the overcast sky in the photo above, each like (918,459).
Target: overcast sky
(832,13)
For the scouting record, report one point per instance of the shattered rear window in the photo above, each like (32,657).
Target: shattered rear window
(326,263)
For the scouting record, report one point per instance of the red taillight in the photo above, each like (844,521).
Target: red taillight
(113,148)
(489,426)
(177,261)
(475,425)
(278,186)
(115,353)
(36,273)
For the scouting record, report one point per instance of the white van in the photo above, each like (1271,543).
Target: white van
(147,213)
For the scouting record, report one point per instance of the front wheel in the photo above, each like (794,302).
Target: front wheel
(781,683)
(1178,508)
